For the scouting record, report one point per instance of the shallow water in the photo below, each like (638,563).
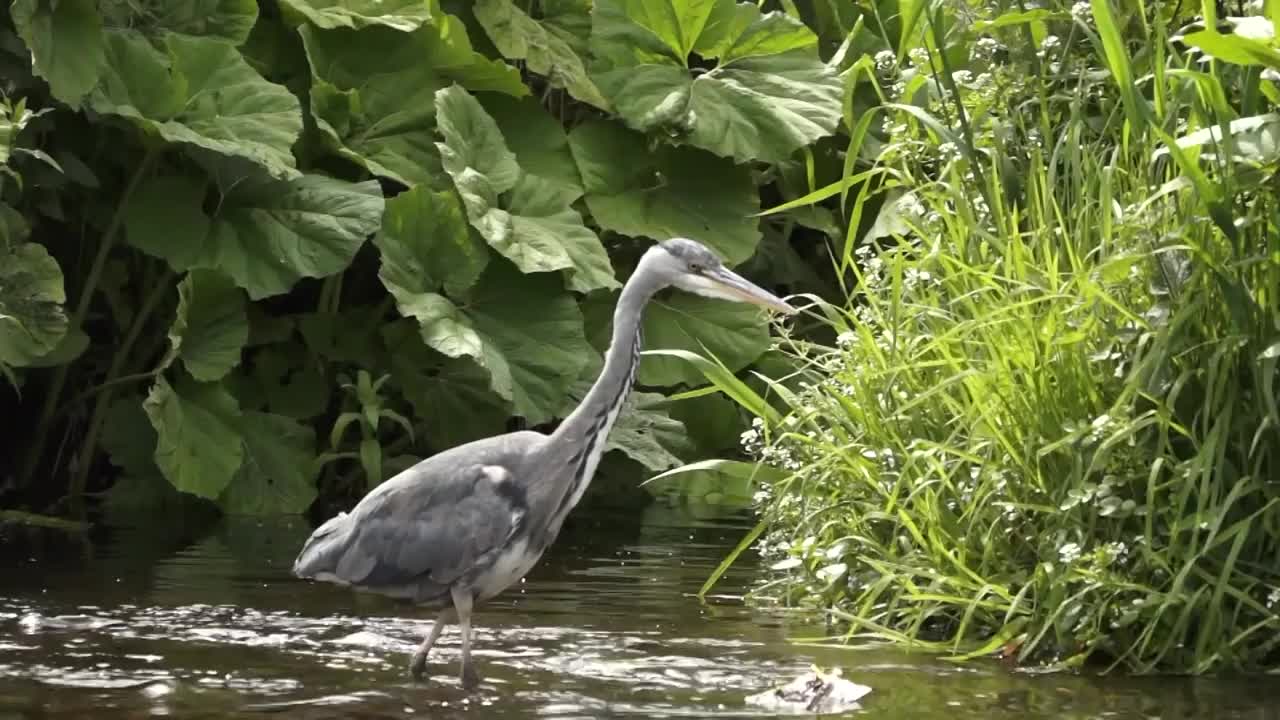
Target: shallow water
(200,621)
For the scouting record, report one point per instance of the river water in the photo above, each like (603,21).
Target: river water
(201,619)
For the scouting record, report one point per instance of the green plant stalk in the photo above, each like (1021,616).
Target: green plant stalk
(90,444)
(54,392)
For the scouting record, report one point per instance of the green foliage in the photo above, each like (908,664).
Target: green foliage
(264,233)
(1044,425)
(211,327)
(188,188)
(66,42)
(32,320)
(768,95)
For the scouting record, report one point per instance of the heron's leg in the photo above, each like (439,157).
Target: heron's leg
(462,604)
(418,666)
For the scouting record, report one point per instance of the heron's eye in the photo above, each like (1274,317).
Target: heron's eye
(696,267)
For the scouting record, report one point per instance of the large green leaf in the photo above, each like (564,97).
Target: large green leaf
(670,192)
(541,218)
(452,397)
(427,245)
(198,447)
(546,51)
(32,319)
(275,478)
(230,20)
(373,91)
(201,92)
(538,140)
(66,42)
(405,15)
(733,333)
(523,329)
(768,95)
(264,233)
(528,220)
(211,326)
(130,442)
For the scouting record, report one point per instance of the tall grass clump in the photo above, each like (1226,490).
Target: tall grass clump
(1047,427)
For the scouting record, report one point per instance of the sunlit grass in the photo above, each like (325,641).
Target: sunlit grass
(1049,425)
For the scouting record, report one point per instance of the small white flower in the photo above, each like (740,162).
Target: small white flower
(1069,552)
(885,60)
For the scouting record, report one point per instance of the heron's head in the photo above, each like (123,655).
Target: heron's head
(691,266)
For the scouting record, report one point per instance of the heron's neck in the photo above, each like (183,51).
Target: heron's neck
(581,437)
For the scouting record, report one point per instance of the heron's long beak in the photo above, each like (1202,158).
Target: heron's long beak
(738,287)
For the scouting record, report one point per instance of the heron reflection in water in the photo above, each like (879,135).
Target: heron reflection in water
(465,524)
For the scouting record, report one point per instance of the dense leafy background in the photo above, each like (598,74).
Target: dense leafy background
(263,252)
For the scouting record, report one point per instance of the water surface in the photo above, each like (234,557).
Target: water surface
(185,619)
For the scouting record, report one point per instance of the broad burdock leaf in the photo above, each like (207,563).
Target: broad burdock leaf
(403,15)
(275,478)
(373,92)
(427,245)
(525,218)
(200,91)
(522,329)
(668,192)
(230,20)
(210,327)
(545,50)
(32,319)
(733,333)
(452,397)
(265,234)
(768,95)
(538,140)
(66,43)
(130,442)
(198,449)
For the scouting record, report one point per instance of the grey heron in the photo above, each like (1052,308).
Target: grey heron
(465,524)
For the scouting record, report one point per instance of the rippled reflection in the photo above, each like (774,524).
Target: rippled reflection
(197,622)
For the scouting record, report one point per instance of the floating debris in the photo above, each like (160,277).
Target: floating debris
(814,692)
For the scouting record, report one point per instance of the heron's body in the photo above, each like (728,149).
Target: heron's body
(465,524)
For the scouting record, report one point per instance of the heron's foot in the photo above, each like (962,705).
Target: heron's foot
(469,677)
(418,666)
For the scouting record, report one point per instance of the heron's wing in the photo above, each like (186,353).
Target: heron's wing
(433,525)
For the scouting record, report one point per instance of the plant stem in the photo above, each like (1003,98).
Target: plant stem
(122,380)
(78,316)
(90,445)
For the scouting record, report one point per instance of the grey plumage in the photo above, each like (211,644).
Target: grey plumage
(463,525)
